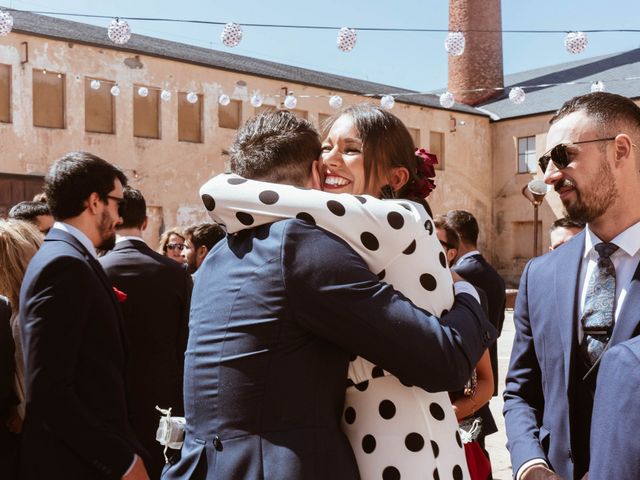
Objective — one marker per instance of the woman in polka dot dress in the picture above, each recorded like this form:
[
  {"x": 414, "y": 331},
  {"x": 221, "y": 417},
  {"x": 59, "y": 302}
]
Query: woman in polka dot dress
[{"x": 396, "y": 431}]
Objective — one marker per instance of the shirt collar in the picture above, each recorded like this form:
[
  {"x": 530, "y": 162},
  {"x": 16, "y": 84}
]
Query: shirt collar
[
  {"x": 627, "y": 241},
  {"x": 78, "y": 235},
  {"x": 129, "y": 237},
  {"x": 467, "y": 255}
]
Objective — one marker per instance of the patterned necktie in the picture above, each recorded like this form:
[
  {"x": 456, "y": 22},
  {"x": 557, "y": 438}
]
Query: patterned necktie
[{"x": 597, "y": 319}]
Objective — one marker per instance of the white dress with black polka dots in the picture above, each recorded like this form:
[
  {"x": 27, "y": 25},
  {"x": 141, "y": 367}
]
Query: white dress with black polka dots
[{"x": 396, "y": 431}]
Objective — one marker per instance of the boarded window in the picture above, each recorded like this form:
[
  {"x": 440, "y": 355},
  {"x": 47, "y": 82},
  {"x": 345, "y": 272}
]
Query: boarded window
[
  {"x": 17, "y": 188},
  {"x": 229, "y": 116},
  {"x": 99, "y": 108},
  {"x": 146, "y": 113},
  {"x": 527, "y": 162},
  {"x": 523, "y": 239},
  {"x": 5, "y": 93},
  {"x": 436, "y": 146},
  {"x": 415, "y": 135},
  {"x": 189, "y": 119},
  {"x": 48, "y": 99},
  {"x": 300, "y": 113}
]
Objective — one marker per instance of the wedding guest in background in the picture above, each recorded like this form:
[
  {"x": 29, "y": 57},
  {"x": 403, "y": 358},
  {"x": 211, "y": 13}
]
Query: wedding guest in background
[
  {"x": 37, "y": 213},
  {"x": 77, "y": 419},
  {"x": 563, "y": 230},
  {"x": 156, "y": 317},
  {"x": 198, "y": 242},
  {"x": 172, "y": 244},
  {"x": 19, "y": 242}
]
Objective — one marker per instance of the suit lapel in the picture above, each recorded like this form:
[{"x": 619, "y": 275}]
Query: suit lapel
[
  {"x": 566, "y": 288},
  {"x": 629, "y": 316}
]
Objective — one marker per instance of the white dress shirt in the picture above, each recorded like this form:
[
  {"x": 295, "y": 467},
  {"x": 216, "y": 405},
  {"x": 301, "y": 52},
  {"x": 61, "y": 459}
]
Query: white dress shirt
[{"x": 78, "y": 235}]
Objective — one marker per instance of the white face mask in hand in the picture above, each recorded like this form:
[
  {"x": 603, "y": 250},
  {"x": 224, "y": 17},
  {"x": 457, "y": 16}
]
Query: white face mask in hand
[{"x": 170, "y": 431}]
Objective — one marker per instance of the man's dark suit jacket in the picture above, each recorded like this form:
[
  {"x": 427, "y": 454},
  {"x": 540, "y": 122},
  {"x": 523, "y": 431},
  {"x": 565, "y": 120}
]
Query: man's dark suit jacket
[
  {"x": 8, "y": 441},
  {"x": 76, "y": 422},
  {"x": 541, "y": 376},
  {"x": 477, "y": 271},
  {"x": 275, "y": 313},
  {"x": 156, "y": 317},
  {"x": 615, "y": 449}
]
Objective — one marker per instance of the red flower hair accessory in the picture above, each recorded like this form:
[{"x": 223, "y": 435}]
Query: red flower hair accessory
[
  {"x": 424, "y": 184},
  {"x": 120, "y": 295}
]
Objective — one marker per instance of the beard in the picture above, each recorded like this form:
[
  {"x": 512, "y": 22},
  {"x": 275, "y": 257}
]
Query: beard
[
  {"x": 107, "y": 232},
  {"x": 594, "y": 199}
]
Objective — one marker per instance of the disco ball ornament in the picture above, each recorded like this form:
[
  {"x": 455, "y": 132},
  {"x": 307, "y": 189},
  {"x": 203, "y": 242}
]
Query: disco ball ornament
[
  {"x": 447, "y": 100},
  {"x": 387, "y": 102},
  {"x": 454, "y": 44},
  {"x": 143, "y": 91},
  {"x": 192, "y": 97},
  {"x": 224, "y": 100},
  {"x": 335, "y": 101},
  {"x": 115, "y": 90},
  {"x": 516, "y": 95},
  {"x": 290, "y": 101},
  {"x": 597, "y": 86},
  {"x": 119, "y": 31},
  {"x": 231, "y": 35},
  {"x": 6, "y": 23},
  {"x": 346, "y": 40},
  {"x": 165, "y": 95},
  {"x": 256, "y": 99},
  {"x": 95, "y": 84},
  {"x": 575, "y": 42}
]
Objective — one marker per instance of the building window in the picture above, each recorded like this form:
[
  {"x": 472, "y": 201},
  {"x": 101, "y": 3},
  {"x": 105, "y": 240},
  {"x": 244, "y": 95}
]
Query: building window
[
  {"x": 146, "y": 113},
  {"x": 5, "y": 93},
  {"x": 229, "y": 116},
  {"x": 189, "y": 119},
  {"x": 99, "y": 108},
  {"x": 303, "y": 114},
  {"x": 527, "y": 162},
  {"x": 436, "y": 146},
  {"x": 415, "y": 135},
  {"x": 48, "y": 99}
]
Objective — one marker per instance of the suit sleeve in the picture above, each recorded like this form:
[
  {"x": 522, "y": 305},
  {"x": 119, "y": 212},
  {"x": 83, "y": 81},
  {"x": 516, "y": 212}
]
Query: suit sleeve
[
  {"x": 333, "y": 294},
  {"x": 183, "y": 335},
  {"x": 615, "y": 451},
  {"x": 523, "y": 396},
  {"x": 54, "y": 319}
]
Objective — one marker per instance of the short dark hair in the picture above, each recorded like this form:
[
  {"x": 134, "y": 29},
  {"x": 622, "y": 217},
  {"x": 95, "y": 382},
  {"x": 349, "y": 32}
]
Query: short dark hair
[
  {"x": 275, "y": 146},
  {"x": 207, "y": 234},
  {"x": 566, "y": 222},
  {"x": 74, "y": 177},
  {"x": 29, "y": 211},
  {"x": 607, "y": 109},
  {"x": 465, "y": 225},
  {"x": 133, "y": 209},
  {"x": 453, "y": 239}
]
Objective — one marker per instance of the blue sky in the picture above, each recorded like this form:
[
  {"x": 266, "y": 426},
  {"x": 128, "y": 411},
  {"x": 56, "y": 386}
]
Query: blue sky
[{"x": 410, "y": 60}]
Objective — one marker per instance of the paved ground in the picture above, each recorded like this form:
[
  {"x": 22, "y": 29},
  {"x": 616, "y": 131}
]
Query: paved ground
[{"x": 496, "y": 442}]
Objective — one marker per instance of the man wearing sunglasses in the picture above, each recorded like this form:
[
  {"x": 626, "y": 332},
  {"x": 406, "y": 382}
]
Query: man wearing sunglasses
[{"x": 577, "y": 301}]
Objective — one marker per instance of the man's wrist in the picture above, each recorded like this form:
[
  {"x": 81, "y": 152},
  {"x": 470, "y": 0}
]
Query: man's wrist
[{"x": 528, "y": 464}]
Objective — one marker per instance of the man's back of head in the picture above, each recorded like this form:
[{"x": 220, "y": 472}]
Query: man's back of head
[
  {"x": 133, "y": 211},
  {"x": 465, "y": 225},
  {"x": 275, "y": 146},
  {"x": 37, "y": 213}
]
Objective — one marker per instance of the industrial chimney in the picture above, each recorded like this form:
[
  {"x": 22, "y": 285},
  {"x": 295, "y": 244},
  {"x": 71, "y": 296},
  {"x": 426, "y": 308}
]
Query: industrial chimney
[{"x": 480, "y": 66}]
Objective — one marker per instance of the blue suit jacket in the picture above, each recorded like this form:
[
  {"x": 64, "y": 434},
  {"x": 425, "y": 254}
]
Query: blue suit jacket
[
  {"x": 615, "y": 449},
  {"x": 536, "y": 408},
  {"x": 276, "y": 311},
  {"x": 76, "y": 422}
]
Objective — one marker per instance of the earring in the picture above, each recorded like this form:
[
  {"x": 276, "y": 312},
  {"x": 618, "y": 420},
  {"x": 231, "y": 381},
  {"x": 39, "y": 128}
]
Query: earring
[{"x": 387, "y": 192}]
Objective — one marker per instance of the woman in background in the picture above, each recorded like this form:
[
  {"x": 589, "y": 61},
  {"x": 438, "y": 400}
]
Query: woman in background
[{"x": 172, "y": 244}]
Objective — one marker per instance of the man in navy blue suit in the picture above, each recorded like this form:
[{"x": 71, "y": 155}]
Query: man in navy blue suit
[
  {"x": 276, "y": 312},
  {"x": 580, "y": 299},
  {"x": 76, "y": 421}
]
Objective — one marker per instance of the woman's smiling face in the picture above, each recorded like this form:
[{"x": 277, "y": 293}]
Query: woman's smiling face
[{"x": 343, "y": 160}]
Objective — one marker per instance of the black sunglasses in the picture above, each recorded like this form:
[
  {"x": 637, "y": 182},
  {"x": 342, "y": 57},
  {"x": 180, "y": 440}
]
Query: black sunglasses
[
  {"x": 175, "y": 246},
  {"x": 559, "y": 156}
]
